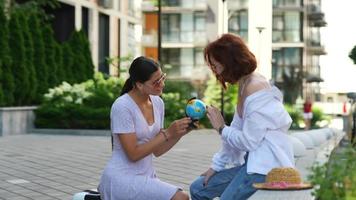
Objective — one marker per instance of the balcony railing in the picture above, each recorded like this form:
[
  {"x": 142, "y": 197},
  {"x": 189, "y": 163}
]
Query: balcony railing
[
  {"x": 184, "y": 3},
  {"x": 317, "y": 50},
  {"x": 196, "y": 37},
  {"x": 186, "y": 71},
  {"x": 315, "y": 13}
]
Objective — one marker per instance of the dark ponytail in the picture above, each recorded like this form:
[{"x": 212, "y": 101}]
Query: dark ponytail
[
  {"x": 127, "y": 86},
  {"x": 140, "y": 70}
]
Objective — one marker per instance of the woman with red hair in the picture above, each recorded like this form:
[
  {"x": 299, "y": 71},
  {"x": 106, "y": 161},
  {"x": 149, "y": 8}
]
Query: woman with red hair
[{"x": 256, "y": 140}]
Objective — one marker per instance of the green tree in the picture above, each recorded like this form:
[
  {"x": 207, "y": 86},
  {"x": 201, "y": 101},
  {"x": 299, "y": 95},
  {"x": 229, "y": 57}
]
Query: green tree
[
  {"x": 39, "y": 56},
  {"x": 212, "y": 96},
  {"x": 352, "y": 54},
  {"x": 7, "y": 85},
  {"x": 18, "y": 55},
  {"x": 28, "y": 56},
  {"x": 89, "y": 67},
  {"x": 79, "y": 61},
  {"x": 292, "y": 83},
  {"x": 50, "y": 52},
  {"x": 59, "y": 63},
  {"x": 67, "y": 61}
]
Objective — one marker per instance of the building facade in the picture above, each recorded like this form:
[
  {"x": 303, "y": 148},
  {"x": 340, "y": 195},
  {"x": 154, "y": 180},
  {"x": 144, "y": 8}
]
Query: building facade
[
  {"x": 113, "y": 27},
  {"x": 283, "y": 34}
]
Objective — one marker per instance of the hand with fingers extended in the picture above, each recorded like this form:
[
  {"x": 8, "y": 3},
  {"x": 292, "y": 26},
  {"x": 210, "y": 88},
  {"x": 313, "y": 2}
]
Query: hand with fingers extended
[
  {"x": 207, "y": 175},
  {"x": 215, "y": 117},
  {"x": 179, "y": 127}
]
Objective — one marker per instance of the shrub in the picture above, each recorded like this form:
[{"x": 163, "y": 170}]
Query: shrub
[
  {"x": 174, "y": 107},
  {"x": 83, "y": 106},
  {"x": 295, "y": 114},
  {"x": 212, "y": 96},
  {"x": 335, "y": 180},
  {"x": 318, "y": 117}
]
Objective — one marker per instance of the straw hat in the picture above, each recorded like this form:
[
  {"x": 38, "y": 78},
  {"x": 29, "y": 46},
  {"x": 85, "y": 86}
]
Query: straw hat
[{"x": 283, "y": 179}]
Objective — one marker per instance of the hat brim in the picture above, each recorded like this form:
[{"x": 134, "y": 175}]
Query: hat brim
[{"x": 266, "y": 186}]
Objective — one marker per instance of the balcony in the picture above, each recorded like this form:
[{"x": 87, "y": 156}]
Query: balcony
[
  {"x": 183, "y": 5},
  {"x": 195, "y": 38},
  {"x": 317, "y": 23},
  {"x": 149, "y": 6},
  {"x": 315, "y": 13},
  {"x": 108, "y": 4},
  {"x": 313, "y": 78},
  {"x": 315, "y": 48}
]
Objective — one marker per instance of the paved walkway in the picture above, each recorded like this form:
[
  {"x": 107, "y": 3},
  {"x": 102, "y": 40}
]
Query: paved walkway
[{"x": 46, "y": 167}]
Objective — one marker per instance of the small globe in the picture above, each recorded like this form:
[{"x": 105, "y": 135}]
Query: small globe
[{"x": 195, "y": 109}]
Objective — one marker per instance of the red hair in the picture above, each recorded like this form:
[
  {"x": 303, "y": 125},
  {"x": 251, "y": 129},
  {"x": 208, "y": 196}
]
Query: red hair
[{"x": 233, "y": 54}]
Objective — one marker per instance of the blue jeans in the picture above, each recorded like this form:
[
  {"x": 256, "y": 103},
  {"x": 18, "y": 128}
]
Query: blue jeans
[{"x": 233, "y": 183}]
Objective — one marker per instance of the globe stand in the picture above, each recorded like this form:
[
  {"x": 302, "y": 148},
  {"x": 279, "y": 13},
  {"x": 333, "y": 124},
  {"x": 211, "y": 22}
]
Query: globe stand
[{"x": 192, "y": 125}]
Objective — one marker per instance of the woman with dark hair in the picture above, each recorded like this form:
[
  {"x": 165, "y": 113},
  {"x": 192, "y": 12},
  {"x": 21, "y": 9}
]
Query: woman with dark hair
[
  {"x": 137, "y": 127},
  {"x": 256, "y": 140}
]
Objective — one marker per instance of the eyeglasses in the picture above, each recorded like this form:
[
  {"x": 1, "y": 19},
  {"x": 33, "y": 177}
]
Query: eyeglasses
[{"x": 158, "y": 82}]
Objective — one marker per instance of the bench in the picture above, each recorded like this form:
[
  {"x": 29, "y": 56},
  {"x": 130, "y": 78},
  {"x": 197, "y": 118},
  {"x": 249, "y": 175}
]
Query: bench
[{"x": 310, "y": 147}]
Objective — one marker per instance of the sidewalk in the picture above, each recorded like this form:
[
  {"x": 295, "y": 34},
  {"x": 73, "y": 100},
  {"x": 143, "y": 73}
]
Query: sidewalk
[{"x": 46, "y": 167}]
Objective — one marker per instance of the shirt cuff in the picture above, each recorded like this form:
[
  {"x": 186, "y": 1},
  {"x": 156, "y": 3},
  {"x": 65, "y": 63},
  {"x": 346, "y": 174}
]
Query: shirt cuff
[{"x": 225, "y": 132}]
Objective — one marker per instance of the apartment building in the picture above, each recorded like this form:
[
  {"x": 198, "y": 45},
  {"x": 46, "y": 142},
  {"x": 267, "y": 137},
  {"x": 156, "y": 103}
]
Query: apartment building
[
  {"x": 113, "y": 26},
  {"x": 296, "y": 47},
  {"x": 283, "y": 34}
]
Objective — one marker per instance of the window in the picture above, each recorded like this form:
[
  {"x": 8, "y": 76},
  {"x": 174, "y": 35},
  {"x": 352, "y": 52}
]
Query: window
[
  {"x": 170, "y": 27},
  {"x": 286, "y": 61},
  {"x": 287, "y": 27},
  {"x": 131, "y": 36},
  {"x": 171, "y": 61},
  {"x": 238, "y": 23},
  {"x": 287, "y": 3},
  {"x": 170, "y": 3},
  {"x": 85, "y": 20},
  {"x": 199, "y": 57},
  {"x": 103, "y": 43},
  {"x": 63, "y": 21}
]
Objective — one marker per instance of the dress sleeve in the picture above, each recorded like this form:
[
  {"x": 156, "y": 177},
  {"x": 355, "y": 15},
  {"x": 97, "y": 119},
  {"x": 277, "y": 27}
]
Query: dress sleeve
[{"x": 122, "y": 119}]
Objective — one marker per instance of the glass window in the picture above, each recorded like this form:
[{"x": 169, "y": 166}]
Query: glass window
[
  {"x": 199, "y": 21},
  {"x": 285, "y": 60},
  {"x": 199, "y": 27},
  {"x": 287, "y": 27},
  {"x": 170, "y": 3},
  {"x": 187, "y": 27},
  {"x": 103, "y": 43},
  {"x": 199, "y": 57},
  {"x": 131, "y": 39},
  {"x": 170, "y": 27},
  {"x": 238, "y": 23},
  {"x": 287, "y": 3},
  {"x": 85, "y": 20},
  {"x": 171, "y": 61}
]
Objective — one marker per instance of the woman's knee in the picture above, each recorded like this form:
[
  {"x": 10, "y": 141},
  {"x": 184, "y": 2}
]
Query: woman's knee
[
  {"x": 180, "y": 195},
  {"x": 196, "y": 186}
]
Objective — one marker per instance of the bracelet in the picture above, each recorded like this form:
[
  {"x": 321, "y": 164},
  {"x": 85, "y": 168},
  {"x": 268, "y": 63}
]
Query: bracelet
[
  {"x": 221, "y": 128},
  {"x": 164, "y": 134}
]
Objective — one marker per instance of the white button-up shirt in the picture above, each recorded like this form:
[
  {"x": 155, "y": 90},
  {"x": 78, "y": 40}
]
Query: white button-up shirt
[{"x": 262, "y": 131}]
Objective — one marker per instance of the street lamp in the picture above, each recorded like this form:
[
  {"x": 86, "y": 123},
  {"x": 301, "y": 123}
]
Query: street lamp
[
  {"x": 159, "y": 31},
  {"x": 260, "y": 29},
  {"x": 222, "y": 88}
]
